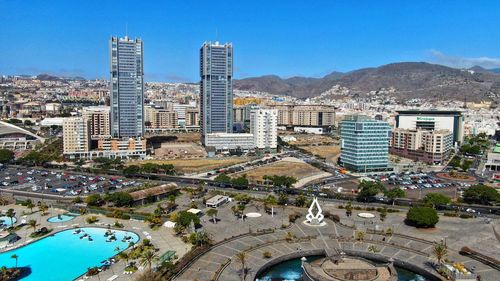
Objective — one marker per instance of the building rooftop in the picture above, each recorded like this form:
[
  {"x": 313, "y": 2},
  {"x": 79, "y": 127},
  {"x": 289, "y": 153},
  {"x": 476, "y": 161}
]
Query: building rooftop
[{"x": 153, "y": 191}]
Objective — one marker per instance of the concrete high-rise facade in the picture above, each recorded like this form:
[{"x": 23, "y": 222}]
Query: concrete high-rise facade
[
  {"x": 264, "y": 127},
  {"x": 364, "y": 144},
  {"x": 127, "y": 87},
  {"x": 216, "y": 88}
]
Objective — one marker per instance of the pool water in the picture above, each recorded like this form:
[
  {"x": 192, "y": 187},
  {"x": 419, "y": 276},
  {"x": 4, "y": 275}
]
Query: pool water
[
  {"x": 5, "y": 221},
  {"x": 291, "y": 270},
  {"x": 64, "y": 256},
  {"x": 61, "y": 218}
]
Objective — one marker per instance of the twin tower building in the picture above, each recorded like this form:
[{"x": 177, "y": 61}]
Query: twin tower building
[{"x": 126, "y": 113}]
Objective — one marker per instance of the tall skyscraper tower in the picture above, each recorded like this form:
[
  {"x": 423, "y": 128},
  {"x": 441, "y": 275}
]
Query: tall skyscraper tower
[
  {"x": 127, "y": 87},
  {"x": 216, "y": 88}
]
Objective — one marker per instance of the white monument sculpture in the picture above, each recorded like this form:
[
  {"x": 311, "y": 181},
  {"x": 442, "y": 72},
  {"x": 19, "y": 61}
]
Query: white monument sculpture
[{"x": 315, "y": 219}]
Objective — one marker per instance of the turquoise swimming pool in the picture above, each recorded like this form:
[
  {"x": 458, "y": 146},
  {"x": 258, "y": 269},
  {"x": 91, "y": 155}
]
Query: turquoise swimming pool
[
  {"x": 64, "y": 256},
  {"x": 5, "y": 221},
  {"x": 61, "y": 218}
]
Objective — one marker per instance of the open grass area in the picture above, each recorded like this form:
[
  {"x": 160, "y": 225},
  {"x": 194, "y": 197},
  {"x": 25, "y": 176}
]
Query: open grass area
[
  {"x": 296, "y": 169},
  {"x": 186, "y": 166},
  {"x": 329, "y": 152}
]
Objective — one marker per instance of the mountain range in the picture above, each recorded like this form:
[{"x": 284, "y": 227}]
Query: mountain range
[{"x": 406, "y": 79}]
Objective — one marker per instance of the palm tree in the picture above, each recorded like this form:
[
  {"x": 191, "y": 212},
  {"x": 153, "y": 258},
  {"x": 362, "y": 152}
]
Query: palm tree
[
  {"x": 43, "y": 208},
  {"x": 360, "y": 235},
  {"x": 440, "y": 251},
  {"x": 373, "y": 249},
  {"x": 213, "y": 213},
  {"x": 30, "y": 205},
  {"x": 11, "y": 214},
  {"x": 348, "y": 209},
  {"x": 242, "y": 256},
  {"x": 148, "y": 258},
  {"x": 14, "y": 256},
  {"x": 271, "y": 200},
  {"x": 33, "y": 224}
]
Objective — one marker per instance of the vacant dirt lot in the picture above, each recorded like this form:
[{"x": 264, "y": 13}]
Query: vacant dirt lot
[
  {"x": 286, "y": 167},
  {"x": 169, "y": 150},
  {"x": 304, "y": 139},
  {"x": 187, "y": 166},
  {"x": 329, "y": 152}
]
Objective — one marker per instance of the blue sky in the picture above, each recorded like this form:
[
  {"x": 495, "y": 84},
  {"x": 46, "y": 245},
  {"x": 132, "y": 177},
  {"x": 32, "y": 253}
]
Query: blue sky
[{"x": 286, "y": 38}]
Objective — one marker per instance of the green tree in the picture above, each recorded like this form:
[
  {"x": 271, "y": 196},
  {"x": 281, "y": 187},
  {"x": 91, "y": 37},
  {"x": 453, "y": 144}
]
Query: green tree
[
  {"x": 466, "y": 165},
  {"x": 11, "y": 214},
  {"x": 222, "y": 178},
  {"x": 423, "y": 217},
  {"x": 213, "y": 213},
  {"x": 300, "y": 201},
  {"x": 348, "y": 209},
  {"x": 242, "y": 257},
  {"x": 395, "y": 193},
  {"x": 185, "y": 218},
  {"x": 436, "y": 199},
  {"x": 271, "y": 200},
  {"x": 33, "y": 224},
  {"x": 368, "y": 189},
  {"x": 94, "y": 200},
  {"x": 383, "y": 213},
  {"x": 440, "y": 251},
  {"x": 30, "y": 205},
  {"x": 240, "y": 181},
  {"x": 16, "y": 257},
  {"x": 6, "y": 156},
  {"x": 148, "y": 257},
  {"x": 120, "y": 199},
  {"x": 131, "y": 170},
  {"x": 481, "y": 194},
  {"x": 282, "y": 199}
]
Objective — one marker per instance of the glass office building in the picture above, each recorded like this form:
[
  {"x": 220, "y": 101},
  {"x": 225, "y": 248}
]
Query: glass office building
[
  {"x": 127, "y": 87},
  {"x": 364, "y": 144},
  {"x": 216, "y": 88}
]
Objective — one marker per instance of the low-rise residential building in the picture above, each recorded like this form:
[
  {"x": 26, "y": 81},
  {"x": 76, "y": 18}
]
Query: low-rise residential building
[
  {"x": 217, "y": 201},
  {"x": 432, "y": 147},
  {"x": 229, "y": 141},
  {"x": 120, "y": 147},
  {"x": 305, "y": 115},
  {"x": 158, "y": 118}
]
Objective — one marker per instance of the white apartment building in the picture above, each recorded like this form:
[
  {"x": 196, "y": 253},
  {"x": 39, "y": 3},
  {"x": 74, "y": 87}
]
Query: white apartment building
[
  {"x": 229, "y": 141},
  {"x": 99, "y": 117},
  {"x": 264, "y": 128},
  {"x": 76, "y": 137}
]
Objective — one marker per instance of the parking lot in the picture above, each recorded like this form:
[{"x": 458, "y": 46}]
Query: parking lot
[
  {"x": 414, "y": 181},
  {"x": 60, "y": 183}
]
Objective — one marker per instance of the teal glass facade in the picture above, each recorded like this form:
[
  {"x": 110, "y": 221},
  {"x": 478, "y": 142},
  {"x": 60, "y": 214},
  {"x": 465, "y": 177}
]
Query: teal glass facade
[{"x": 364, "y": 144}]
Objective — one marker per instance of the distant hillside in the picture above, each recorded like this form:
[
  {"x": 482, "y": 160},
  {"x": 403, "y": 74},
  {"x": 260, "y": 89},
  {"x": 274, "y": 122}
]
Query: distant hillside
[{"x": 409, "y": 79}]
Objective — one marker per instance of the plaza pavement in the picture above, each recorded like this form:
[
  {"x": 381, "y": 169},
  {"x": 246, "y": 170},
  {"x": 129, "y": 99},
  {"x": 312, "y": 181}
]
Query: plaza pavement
[{"x": 220, "y": 262}]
